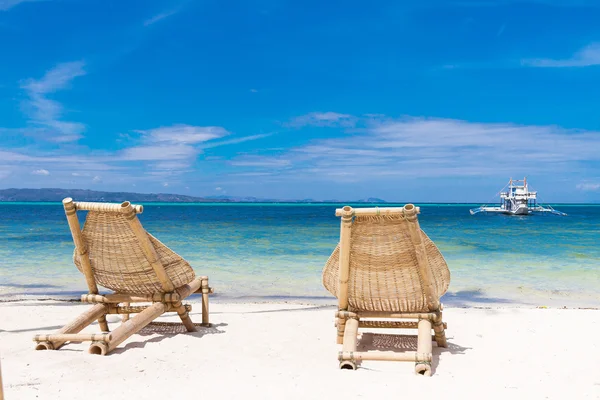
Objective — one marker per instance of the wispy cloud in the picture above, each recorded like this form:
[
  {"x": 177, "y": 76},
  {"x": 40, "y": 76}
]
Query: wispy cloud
[
  {"x": 43, "y": 172},
  {"x": 8, "y": 4},
  {"x": 323, "y": 119},
  {"x": 431, "y": 147},
  {"x": 159, "y": 17},
  {"x": 173, "y": 146},
  {"x": 257, "y": 161},
  {"x": 585, "y": 57},
  {"x": 169, "y": 151},
  {"x": 45, "y": 114},
  {"x": 237, "y": 140},
  {"x": 589, "y": 186},
  {"x": 183, "y": 134},
  {"x": 588, "y": 56},
  {"x": 158, "y": 154}
]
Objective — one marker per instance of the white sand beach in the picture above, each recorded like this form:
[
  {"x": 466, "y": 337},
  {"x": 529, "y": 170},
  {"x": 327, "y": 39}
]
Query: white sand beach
[{"x": 288, "y": 351}]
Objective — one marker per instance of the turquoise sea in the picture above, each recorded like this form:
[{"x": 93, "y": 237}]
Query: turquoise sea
[{"x": 277, "y": 251}]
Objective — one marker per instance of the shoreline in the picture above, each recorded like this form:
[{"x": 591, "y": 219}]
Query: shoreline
[
  {"x": 489, "y": 297},
  {"x": 321, "y": 303},
  {"x": 497, "y": 296}
]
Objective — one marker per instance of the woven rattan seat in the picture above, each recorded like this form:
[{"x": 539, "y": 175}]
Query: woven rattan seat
[
  {"x": 114, "y": 251},
  {"x": 384, "y": 274},
  {"x": 118, "y": 260},
  {"x": 385, "y": 267}
]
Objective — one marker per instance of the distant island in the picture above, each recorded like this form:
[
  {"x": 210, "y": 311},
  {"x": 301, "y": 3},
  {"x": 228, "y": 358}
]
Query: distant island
[{"x": 52, "y": 195}]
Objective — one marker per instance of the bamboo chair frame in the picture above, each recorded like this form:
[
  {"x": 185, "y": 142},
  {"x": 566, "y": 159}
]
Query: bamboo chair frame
[
  {"x": 349, "y": 320},
  {"x": 168, "y": 300}
]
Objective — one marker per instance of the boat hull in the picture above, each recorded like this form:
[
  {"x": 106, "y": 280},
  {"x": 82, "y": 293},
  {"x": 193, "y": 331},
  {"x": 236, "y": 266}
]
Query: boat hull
[
  {"x": 500, "y": 210},
  {"x": 521, "y": 210}
]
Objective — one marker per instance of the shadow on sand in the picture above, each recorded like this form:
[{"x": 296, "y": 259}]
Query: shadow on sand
[
  {"x": 470, "y": 298},
  {"x": 398, "y": 343},
  {"x": 168, "y": 330}
]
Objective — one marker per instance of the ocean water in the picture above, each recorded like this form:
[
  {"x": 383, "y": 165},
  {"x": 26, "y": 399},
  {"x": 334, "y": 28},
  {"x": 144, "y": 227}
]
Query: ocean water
[{"x": 269, "y": 251}]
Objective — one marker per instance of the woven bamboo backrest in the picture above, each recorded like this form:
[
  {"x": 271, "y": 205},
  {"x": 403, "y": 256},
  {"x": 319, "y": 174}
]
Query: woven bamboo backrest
[
  {"x": 124, "y": 257},
  {"x": 385, "y": 273}
]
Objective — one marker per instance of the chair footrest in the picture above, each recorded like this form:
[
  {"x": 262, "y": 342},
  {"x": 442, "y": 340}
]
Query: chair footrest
[
  {"x": 138, "y": 309},
  {"x": 390, "y": 324},
  {"x": 73, "y": 337}
]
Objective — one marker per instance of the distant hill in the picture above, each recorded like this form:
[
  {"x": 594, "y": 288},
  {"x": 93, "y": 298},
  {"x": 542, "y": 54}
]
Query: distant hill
[
  {"x": 93, "y": 195},
  {"x": 372, "y": 200},
  {"x": 54, "y": 194}
]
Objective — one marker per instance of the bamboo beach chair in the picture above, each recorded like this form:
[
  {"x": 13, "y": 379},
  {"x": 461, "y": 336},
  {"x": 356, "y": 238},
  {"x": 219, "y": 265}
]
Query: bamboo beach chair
[
  {"x": 114, "y": 251},
  {"x": 386, "y": 273}
]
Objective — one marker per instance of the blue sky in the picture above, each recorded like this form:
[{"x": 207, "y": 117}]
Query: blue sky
[{"x": 407, "y": 101}]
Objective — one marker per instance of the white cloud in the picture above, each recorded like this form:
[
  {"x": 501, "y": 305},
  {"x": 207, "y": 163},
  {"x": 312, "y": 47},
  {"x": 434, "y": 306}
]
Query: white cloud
[
  {"x": 589, "y": 186},
  {"x": 166, "y": 184},
  {"x": 57, "y": 78},
  {"x": 431, "y": 147},
  {"x": 154, "y": 154},
  {"x": 159, "y": 17},
  {"x": 171, "y": 150},
  {"x": 323, "y": 119},
  {"x": 45, "y": 114},
  {"x": 588, "y": 56},
  {"x": 253, "y": 91},
  {"x": 158, "y": 153},
  {"x": 184, "y": 134},
  {"x": 171, "y": 147},
  {"x": 43, "y": 172},
  {"x": 218, "y": 189}
]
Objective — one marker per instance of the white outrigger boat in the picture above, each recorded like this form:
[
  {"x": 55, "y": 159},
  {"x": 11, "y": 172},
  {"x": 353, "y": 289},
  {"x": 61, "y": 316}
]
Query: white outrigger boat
[{"x": 517, "y": 200}]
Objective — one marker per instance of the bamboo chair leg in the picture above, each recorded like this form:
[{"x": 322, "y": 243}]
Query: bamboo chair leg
[
  {"x": 350, "y": 340},
  {"x": 205, "y": 292},
  {"x": 75, "y": 326},
  {"x": 103, "y": 324},
  {"x": 440, "y": 332},
  {"x": 127, "y": 329},
  {"x": 424, "y": 347},
  {"x": 185, "y": 317},
  {"x": 341, "y": 326},
  {"x": 125, "y": 317}
]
